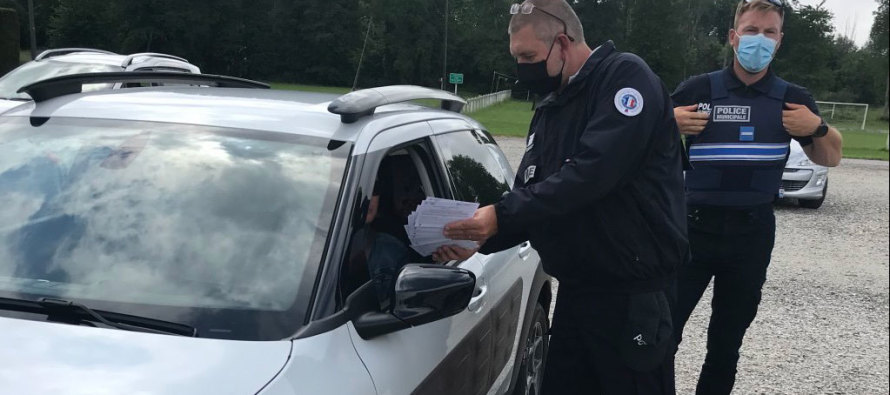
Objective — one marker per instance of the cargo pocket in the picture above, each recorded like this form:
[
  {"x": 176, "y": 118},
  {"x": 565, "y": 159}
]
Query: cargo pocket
[{"x": 647, "y": 335}]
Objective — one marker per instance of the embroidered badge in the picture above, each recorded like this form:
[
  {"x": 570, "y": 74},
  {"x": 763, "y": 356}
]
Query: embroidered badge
[
  {"x": 732, "y": 113},
  {"x": 529, "y": 173},
  {"x": 629, "y": 102}
]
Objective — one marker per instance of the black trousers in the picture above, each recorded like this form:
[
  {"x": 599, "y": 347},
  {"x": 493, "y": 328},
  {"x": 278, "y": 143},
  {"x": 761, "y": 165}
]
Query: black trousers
[
  {"x": 610, "y": 344},
  {"x": 732, "y": 246}
]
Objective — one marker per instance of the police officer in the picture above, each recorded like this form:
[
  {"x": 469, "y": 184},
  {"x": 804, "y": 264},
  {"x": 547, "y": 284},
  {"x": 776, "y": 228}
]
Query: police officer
[
  {"x": 599, "y": 193},
  {"x": 738, "y": 124}
]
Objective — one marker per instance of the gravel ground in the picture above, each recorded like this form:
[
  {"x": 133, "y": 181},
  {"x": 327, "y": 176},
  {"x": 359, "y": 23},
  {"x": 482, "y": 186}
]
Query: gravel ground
[{"x": 822, "y": 327}]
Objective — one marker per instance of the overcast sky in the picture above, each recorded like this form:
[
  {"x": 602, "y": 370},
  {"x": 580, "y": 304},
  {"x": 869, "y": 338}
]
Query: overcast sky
[{"x": 852, "y": 18}]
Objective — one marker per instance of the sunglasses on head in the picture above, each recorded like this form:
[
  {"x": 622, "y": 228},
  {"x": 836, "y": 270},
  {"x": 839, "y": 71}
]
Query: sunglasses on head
[
  {"x": 527, "y": 8},
  {"x": 777, "y": 3}
]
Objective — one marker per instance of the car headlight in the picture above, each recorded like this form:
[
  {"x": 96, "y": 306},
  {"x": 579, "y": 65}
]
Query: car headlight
[
  {"x": 820, "y": 179},
  {"x": 805, "y": 162}
]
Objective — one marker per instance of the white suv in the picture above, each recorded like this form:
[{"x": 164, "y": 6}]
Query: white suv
[
  {"x": 66, "y": 61},
  {"x": 199, "y": 240}
]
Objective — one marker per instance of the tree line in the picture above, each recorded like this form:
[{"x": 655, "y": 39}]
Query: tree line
[{"x": 321, "y": 41}]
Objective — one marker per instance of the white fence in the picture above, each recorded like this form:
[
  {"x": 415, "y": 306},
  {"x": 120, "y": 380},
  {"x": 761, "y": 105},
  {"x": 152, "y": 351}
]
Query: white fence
[{"x": 479, "y": 102}]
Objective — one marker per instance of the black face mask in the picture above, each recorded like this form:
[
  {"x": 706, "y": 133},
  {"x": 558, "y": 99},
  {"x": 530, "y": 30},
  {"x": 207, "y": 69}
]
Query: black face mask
[{"x": 534, "y": 75}]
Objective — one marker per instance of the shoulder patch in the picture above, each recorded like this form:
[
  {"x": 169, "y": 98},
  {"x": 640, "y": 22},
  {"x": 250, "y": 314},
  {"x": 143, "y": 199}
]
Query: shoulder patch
[{"x": 629, "y": 102}]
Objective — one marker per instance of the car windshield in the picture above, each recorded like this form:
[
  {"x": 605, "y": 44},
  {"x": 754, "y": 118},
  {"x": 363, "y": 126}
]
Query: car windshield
[
  {"x": 220, "y": 229},
  {"x": 32, "y": 72}
]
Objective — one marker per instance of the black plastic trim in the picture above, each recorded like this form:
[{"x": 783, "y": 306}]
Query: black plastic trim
[{"x": 72, "y": 84}]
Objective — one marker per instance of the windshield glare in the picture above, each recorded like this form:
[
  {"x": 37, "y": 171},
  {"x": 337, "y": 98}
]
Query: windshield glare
[
  {"x": 32, "y": 72},
  {"x": 175, "y": 221}
]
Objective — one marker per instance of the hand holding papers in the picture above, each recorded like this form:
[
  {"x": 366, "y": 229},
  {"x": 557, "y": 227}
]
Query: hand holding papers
[{"x": 426, "y": 224}]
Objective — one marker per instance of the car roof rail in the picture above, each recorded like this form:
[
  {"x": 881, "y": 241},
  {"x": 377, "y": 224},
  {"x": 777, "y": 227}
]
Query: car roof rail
[
  {"x": 71, "y": 84},
  {"x": 65, "y": 51},
  {"x": 130, "y": 58},
  {"x": 354, "y": 105}
]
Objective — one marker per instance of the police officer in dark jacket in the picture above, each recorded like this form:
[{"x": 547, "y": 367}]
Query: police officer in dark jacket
[
  {"x": 738, "y": 124},
  {"x": 599, "y": 193}
]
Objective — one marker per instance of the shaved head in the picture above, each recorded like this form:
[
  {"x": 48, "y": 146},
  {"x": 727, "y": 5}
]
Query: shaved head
[{"x": 545, "y": 26}]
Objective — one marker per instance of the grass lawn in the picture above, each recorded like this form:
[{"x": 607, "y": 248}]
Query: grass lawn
[
  {"x": 869, "y": 143},
  {"x": 510, "y": 118},
  {"x": 865, "y": 145}
]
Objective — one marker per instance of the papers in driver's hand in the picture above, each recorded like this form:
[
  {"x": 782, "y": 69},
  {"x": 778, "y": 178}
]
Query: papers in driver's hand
[{"x": 425, "y": 225}]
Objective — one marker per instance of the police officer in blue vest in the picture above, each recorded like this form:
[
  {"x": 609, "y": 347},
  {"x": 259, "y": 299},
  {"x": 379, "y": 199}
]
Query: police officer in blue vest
[{"x": 738, "y": 124}]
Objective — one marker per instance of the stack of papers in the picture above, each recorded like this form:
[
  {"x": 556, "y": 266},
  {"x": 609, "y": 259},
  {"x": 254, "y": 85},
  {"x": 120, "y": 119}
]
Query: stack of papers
[{"x": 426, "y": 224}]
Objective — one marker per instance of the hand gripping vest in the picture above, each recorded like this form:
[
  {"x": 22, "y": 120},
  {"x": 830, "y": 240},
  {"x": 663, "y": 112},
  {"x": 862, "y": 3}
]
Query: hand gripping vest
[{"x": 739, "y": 158}]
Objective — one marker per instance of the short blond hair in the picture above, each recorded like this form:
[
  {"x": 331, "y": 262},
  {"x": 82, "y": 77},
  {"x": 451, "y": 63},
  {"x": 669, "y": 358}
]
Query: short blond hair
[
  {"x": 755, "y": 5},
  {"x": 546, "y": 26}
]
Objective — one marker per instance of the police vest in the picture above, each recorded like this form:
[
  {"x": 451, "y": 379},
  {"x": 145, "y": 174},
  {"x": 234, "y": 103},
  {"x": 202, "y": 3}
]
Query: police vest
[{"x": 739, "y": 158}]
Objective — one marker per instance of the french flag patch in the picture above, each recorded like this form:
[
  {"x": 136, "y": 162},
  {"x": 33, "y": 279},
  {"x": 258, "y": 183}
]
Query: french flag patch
[{"x": 746, "y": 133}]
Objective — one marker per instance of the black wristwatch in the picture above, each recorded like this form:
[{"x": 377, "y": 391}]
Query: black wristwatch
[{"x": 822, "y": 130}]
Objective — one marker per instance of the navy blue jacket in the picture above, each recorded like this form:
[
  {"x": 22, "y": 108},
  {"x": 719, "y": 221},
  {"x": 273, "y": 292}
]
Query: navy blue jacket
[{"x": 599, "y": 191}]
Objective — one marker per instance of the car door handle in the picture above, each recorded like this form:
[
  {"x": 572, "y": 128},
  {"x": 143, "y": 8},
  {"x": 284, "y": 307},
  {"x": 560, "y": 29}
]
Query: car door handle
[
  {"x": 525, "y": 249},
  {"x": 478, "y": 299}
]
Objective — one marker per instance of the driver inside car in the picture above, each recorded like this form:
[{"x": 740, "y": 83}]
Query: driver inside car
[{"x": 380, "y": 248}]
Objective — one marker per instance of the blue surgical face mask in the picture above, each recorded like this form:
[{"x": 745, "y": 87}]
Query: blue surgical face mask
[{"x": 755, "y": 52}]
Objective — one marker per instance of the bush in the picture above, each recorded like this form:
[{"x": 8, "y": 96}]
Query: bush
[{"x": 9, "y": 40}]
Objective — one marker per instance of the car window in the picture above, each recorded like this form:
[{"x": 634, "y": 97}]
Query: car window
[
  {"x": 476, "y": 175},
  {"x": 221, "y": 228},
  {"x": 380, "y": 246},
  {"x": 32, "y": 72}
]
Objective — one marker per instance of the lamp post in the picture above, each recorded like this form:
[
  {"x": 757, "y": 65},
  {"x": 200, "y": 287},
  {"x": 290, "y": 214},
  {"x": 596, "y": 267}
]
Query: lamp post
[
  {"x": 31, "y": 29},
  {"x": 445, "y": 49}
]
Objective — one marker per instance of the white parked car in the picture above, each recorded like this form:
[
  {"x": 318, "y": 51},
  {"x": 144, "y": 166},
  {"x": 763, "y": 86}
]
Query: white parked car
[
  {"x": 804, "y": 180},
  {"x": 65, "y": 61},
  {"x": 198, "y": 240}
]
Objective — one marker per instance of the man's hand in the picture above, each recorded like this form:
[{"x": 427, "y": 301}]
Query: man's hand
[
  {"x": 483, "y": 225},
  {"x": 452, "y": 253},
  {"x": 799, "y": 121},
  {"x": 690, "y": 121}
]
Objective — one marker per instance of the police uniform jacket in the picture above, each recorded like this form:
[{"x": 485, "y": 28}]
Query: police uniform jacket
[{"x": 599, "y": 191}]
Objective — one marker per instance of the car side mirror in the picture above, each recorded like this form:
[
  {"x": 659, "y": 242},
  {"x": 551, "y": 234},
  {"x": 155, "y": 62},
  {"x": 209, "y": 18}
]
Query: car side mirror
[{"x": 423, "y": 293}]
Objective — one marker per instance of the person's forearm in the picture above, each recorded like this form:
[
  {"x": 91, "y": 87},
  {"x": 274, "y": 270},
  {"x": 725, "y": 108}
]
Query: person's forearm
[{"x": 827, "y": 150}]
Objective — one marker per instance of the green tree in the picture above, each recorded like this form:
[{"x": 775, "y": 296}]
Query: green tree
[
  {"x": 878, "y": 44},
  {"x": 81, "y": 23},
  {"x": 807, "y": 52}
]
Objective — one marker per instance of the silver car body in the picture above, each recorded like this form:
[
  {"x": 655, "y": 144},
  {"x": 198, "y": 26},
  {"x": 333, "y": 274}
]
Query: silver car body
[
  {"x": 802, "y": 178},
  {"x": 50, "y": 358},
  {"x": 48, "y": 65}
]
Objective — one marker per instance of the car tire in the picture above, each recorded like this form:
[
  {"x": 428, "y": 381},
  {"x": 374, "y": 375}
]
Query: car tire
[
  {"x": 534, "y": 358},
  {"x": 814, "y": 204}
]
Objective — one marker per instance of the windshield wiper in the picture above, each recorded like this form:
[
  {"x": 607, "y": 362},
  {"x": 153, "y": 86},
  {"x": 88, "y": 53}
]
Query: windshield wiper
[{"x": 73, "y": 312}]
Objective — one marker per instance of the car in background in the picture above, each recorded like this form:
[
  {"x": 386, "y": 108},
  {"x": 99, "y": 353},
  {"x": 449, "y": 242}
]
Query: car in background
[
  {"x": 65, "y": 61},
  {"x": 804, "y": 180},
  {"x": 208, "y": 238}
]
